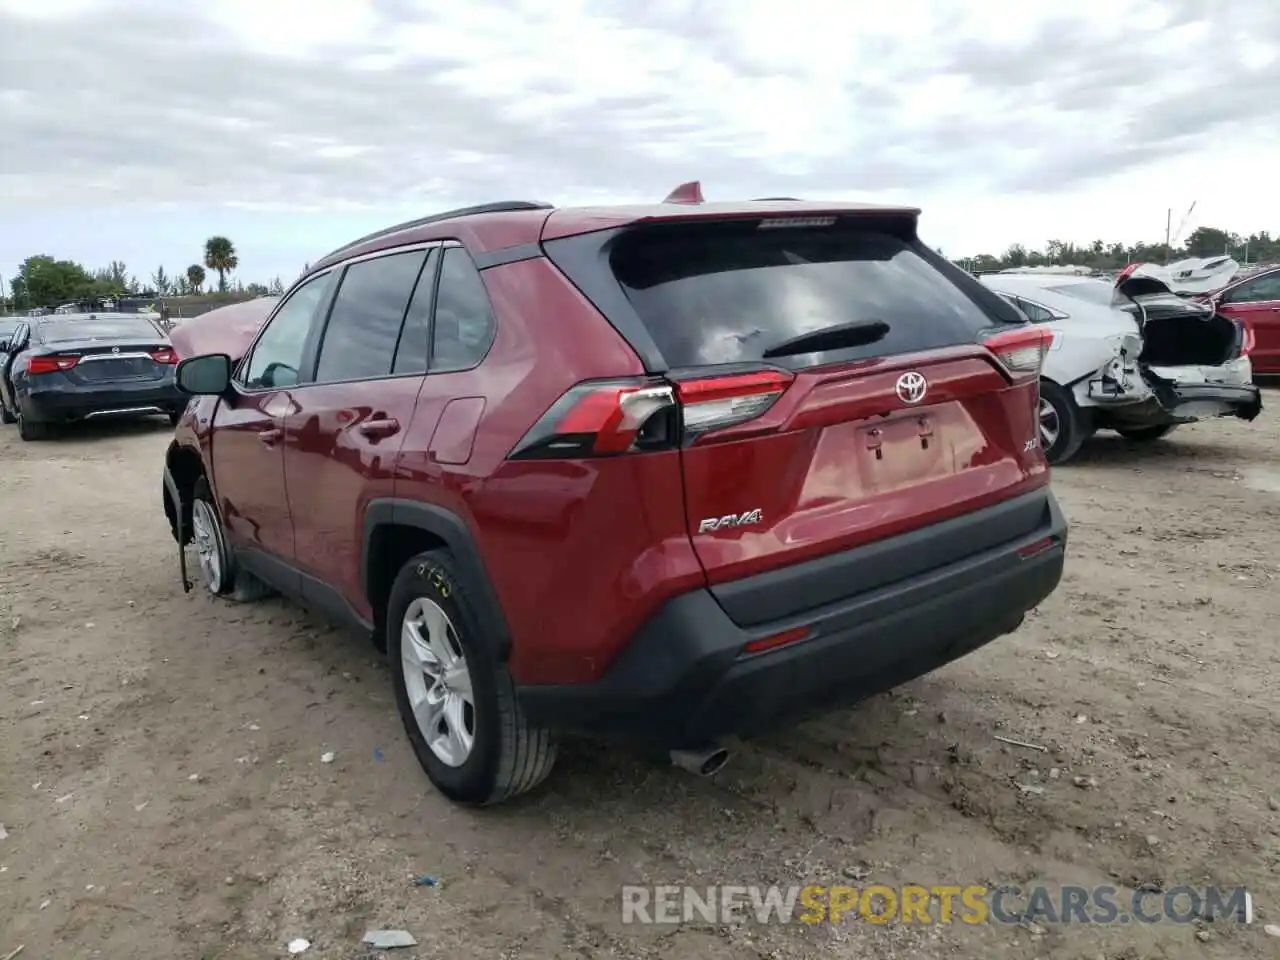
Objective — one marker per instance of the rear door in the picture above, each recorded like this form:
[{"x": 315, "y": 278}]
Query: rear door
[
  {"x": 892, "y": 413},
  {"x": 344, "y": 433},
  {"x": 1256, "y": 302}
]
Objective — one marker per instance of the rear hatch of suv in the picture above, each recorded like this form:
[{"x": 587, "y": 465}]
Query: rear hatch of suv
[{"x": 836, "y": 382}]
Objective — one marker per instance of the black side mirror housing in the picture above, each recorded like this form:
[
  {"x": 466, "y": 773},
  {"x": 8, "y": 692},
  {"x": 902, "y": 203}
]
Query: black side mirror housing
[
  {"x": 4, "y": 345},
  {"x": 208, "y": 375}
]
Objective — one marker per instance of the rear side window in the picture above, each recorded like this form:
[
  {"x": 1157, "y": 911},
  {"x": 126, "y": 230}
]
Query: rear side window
[
  {"x": 463, "y": 325},
  {"x": 364, "y": 325},
  {"x": 726, "y": 293}
]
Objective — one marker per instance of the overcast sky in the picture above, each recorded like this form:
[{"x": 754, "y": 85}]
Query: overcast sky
[{"x": 134, "y": 129}]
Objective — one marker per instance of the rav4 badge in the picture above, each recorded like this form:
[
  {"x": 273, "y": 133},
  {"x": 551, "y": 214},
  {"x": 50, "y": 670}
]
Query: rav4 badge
[{"x": 731, "y": 520}]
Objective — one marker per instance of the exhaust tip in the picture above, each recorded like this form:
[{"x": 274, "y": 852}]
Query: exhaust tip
[{"x": 704, "y": 763}]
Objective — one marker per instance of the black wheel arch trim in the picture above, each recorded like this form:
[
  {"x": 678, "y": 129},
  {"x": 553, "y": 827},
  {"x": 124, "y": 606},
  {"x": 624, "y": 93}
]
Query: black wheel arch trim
[{"x": 458, "y": 539}]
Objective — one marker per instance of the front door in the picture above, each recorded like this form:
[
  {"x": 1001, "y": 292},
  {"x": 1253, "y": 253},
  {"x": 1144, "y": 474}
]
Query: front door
[{"x": 247, "y": 452}]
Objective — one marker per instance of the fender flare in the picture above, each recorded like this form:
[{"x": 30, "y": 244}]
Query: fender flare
[{"x": 458, "y": 540}]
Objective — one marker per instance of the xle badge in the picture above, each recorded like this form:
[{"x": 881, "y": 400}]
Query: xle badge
[{"x": 731, "y": 520}]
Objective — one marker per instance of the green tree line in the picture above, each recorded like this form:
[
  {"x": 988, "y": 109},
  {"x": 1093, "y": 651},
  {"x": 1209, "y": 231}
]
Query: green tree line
[
  {"x": 1100, "y": 255},
  {"x": 46, "y": 281}
]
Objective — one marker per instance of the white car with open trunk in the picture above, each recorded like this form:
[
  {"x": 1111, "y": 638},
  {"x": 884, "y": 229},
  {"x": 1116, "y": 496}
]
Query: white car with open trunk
[{"x": 1133, "y": 357}]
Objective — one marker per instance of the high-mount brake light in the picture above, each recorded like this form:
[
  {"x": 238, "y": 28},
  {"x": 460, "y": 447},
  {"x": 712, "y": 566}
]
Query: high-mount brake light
[
  {"x": 1021, "y": 351},
  {"x": 50, "y": 364},
  {"x": 612, "y": 417},
  {"x": 782, "y": 223}
]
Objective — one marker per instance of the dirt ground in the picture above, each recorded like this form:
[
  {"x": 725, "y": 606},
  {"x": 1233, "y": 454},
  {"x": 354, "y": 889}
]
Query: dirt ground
[{"x": 163, "y": 794}]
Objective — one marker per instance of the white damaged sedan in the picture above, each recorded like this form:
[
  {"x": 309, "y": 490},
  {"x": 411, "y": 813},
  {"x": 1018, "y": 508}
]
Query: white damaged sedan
[{"x": 1132, "y": 357}]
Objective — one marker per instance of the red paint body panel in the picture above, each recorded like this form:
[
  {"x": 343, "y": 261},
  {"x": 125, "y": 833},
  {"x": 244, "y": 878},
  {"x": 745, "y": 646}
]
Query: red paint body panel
[
  {"x": 333, "y": 470},
  {"x": 840, "y": 460},
  {"x": 228, "y": 329}
]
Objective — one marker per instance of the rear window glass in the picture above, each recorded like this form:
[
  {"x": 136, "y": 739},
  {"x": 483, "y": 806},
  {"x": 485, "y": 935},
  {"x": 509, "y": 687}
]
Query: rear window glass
[
  {"x": 1094, "y": 292},
  {"x": 726, "y": 293},
  {"x": 97, "y": 329}
]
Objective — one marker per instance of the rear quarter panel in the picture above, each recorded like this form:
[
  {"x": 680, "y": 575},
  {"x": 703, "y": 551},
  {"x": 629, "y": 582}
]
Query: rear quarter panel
[{"x": 579, "y": 552}]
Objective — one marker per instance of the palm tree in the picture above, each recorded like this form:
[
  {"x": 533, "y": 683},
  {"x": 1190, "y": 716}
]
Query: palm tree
[
  {"x": 220, "y": 256},
  {"x": 195, "y": 277}
]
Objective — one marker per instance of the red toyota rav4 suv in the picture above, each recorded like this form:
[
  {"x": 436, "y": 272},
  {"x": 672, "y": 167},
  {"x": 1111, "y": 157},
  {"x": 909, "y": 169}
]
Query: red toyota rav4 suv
[{"x": 675, "y": 472}]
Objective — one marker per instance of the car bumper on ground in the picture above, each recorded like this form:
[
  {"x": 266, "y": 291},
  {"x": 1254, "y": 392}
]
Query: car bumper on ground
[
  {"x": 67, "y": 404},
  {"x": 684, "y": 680}
]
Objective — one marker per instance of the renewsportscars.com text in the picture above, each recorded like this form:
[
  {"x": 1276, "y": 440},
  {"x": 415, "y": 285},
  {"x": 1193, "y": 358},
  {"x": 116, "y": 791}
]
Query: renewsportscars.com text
[{"x": 943, "y": 904}]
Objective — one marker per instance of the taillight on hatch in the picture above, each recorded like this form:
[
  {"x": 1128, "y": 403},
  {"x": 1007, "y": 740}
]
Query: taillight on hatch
[
  {"x": 611, "y": 417},
  {"x": 1022, "y": 351},
  {"x": 165, "y": 355},
  {"x": 55, "y": 364},
  {"x": 714, "y": 402},
  {"x": 1247, "y": 341}
]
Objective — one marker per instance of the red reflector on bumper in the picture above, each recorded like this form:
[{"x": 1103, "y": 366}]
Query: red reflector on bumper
[
  {"x": 1040, "y": 546},
  {"x": 777, "y": 640}
]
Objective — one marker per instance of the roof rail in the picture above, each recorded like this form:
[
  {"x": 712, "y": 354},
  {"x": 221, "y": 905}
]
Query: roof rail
[
  {"x": 500, "y": 206},
  {"x": 768, "y": 199}
]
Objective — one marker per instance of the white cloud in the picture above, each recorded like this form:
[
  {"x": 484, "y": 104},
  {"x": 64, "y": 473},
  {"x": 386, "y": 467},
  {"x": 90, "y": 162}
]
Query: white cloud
[{"x": 1005, "y": 121}]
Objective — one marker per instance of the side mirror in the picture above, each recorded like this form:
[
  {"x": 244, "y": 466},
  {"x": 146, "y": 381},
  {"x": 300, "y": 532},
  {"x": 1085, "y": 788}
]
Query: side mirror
[
  {"x": 204, "y": 376},
  {"x": 4, "y": 344}
]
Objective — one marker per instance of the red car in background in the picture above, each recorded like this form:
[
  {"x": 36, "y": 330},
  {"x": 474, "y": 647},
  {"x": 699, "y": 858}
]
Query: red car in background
[{"x": 1255, "y": 301}]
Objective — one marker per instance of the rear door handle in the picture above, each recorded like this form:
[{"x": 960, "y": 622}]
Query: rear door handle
[
  {"x": 270, "y": 435},
  {"x": 375, "y": 429}
]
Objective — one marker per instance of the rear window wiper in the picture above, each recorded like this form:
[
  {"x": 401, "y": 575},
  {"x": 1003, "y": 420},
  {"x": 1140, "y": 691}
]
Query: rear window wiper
[{"x": 857, "y": 334}]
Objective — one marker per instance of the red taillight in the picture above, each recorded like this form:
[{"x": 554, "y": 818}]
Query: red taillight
[
  {"x": 55, "y": 364},
  {"x": 1021, "y": 351},
  {"x": 1248, "y": 341},
  {"x": 166, "y": 355},
  {"x": 605, "y": 418}
]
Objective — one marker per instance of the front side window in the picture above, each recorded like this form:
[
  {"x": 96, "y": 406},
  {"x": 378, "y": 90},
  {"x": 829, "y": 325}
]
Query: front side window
[
  {"x": 364, "y": 324},
  {"x": 277, "y": 356}
]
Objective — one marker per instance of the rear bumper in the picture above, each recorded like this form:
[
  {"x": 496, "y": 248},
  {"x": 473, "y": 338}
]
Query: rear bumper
[
  {"x": 683, "y": 680},
  {"x": 66, "y": 403}
]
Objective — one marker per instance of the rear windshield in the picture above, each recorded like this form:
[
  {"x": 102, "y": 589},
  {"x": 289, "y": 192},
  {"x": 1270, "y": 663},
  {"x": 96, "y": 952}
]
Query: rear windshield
[
  {"x": 97, "y": 329},
  {"x": 726, "y": 293},
  {"x": 1095, "y": 291}
]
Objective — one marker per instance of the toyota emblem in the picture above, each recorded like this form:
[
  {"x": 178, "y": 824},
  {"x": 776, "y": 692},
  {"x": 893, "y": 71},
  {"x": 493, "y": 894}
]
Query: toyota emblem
[{"x": 912, "y": 387}]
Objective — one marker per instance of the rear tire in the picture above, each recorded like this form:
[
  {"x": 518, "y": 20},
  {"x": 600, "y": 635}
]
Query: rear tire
[
  {"x": 1146, "y": 434},
  {"x": 217, "y": 563},
  {"x": 1064, "y": 427},
  {"x": 455, "y": 696},
  {"x": 29, "y": 430},
  {"x": 5, "y": 416},
  {"x": 174, "y": 418}
]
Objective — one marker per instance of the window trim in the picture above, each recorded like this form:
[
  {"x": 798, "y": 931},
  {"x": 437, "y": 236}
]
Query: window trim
[
  {"x": 1054, "y": 315},
  {"x": 435, "y": 297},
  {"x": 311, "y": 354},
  {"x": 237, "y": 381}
]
